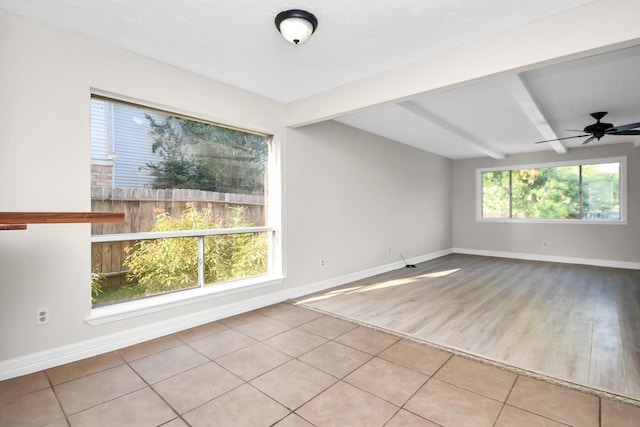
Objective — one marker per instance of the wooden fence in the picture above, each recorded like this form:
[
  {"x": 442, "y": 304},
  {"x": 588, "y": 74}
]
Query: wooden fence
[{"x": 141, "y": 205}]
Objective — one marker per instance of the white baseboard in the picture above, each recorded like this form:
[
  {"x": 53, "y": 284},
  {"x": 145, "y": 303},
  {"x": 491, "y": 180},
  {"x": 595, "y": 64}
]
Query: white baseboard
[
  {"x": 46, "y": 359},
  {"x": 550, "y": 258},
  {"x": 323, "y": 285}
]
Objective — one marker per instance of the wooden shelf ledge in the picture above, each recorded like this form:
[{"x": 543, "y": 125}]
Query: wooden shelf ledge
[
  {"x": 13, "y": 227},
  {"x": 19, "y": 220}
]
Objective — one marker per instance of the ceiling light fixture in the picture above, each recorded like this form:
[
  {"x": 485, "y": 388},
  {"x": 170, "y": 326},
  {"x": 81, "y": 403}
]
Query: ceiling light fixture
[{"x": 296, "y": 26}]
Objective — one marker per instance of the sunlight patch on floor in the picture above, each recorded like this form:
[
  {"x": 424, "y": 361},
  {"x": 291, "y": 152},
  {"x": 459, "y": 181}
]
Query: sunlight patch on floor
[
  {"x": 331, "y": 294},
  {"x": 378, "y": 286},
  {"x": 400, "y": 282}
]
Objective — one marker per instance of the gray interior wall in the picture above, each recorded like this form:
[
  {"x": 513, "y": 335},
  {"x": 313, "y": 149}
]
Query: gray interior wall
[
  {"x": 357, "y": 201},
  {"x": 566, "y": 240}
]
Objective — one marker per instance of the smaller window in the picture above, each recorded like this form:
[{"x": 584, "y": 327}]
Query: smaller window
[{"x": 583, "y": 191}]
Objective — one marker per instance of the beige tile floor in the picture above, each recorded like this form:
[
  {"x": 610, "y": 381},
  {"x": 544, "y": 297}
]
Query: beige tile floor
[{"x": 289, "y": 366}]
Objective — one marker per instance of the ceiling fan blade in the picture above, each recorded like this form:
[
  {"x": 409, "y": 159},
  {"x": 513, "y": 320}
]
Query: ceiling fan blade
[
  {"x": 627, "y": 132},
  {"x": 560, "y": 139},
  {"x": 588, "y": 140},
  {"x": 620, "y": 128}
]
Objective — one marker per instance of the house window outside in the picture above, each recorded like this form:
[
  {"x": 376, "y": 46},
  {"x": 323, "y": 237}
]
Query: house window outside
[
  {"x": 579, "y": 191},
  {"x": 194, "y": 196}
]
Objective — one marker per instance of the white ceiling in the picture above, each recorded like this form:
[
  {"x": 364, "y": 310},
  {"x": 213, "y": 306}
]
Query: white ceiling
[
  {"x": 235, "y": 42},
  {"x": 494, "y": 118}
]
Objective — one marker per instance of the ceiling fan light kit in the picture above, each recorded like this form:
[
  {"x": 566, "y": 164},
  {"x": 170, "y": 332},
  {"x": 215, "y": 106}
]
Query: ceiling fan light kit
[
  {"x": 296, "y": 25},
  {"x": 600, "y": 129}
]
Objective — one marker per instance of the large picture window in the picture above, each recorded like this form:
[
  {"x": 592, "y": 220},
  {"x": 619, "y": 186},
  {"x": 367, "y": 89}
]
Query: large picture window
[
  {"x": 194, "y": 196},
  {"x": 584, "y": 191}
]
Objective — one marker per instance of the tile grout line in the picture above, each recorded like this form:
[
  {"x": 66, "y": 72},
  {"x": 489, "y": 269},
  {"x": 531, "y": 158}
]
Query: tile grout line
[
  {"x": 68, "y": 415},
  {"x": 338, "y": 380},
  {"x": 156, "y": 392},
  {"x": 506, "y": 399},
  {"x": 53, "y": 390},
  {"x": 248, "y": 382}
]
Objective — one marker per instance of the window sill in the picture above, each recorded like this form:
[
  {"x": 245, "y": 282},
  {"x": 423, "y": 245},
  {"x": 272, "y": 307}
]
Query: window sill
[
  {"x": 551, "y": 221},
  {"x": 143, "y": 306}
]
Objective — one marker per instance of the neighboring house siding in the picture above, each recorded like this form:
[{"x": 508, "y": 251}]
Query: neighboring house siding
[
  {"x": 99, "y": 134},
  {"x": 133, "y": 143},
  {"x": 120, "y": 137}
]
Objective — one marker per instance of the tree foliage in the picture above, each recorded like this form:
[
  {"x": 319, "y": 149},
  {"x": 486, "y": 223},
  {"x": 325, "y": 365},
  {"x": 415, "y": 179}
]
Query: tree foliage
[
  {"x": 201, "y": 156},
  {"x": 97, "y": 278},
  {"x": 546, "y": 192},
  {"x": 162, "y": 265},
  {"x": 601, "y": 191},
  {"x": 588, "y": 191},
  {"x": 495, "y": 194}
]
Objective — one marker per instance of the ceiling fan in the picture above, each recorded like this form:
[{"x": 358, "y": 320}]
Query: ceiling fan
[{"x": 600, "y": 129}]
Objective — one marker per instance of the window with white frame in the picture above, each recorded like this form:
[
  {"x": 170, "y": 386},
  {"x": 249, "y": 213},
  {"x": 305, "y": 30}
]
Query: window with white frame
[
  {"x": 585, "y": 191},
  {"x": 194, "y": 196}
]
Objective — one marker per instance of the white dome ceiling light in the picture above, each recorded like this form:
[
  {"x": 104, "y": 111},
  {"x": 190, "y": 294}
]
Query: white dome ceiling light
[{"x": 296, "y": 26}]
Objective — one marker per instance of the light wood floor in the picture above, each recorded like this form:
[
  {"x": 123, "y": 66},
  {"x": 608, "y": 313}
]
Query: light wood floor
[{"x": 576, "y": 323}]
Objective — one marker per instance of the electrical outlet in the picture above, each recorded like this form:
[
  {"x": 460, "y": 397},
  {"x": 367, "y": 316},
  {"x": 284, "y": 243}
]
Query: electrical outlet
[
  {"x": 321, "y": 263},
  {"x": 42, "y": 316}
]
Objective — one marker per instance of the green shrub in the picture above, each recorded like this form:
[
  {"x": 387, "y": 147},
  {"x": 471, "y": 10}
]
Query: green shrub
[
  {"x": 234, "y": 256},
  {"x": 97, "y": 277},
  {"x": 163, "y": 265}
]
